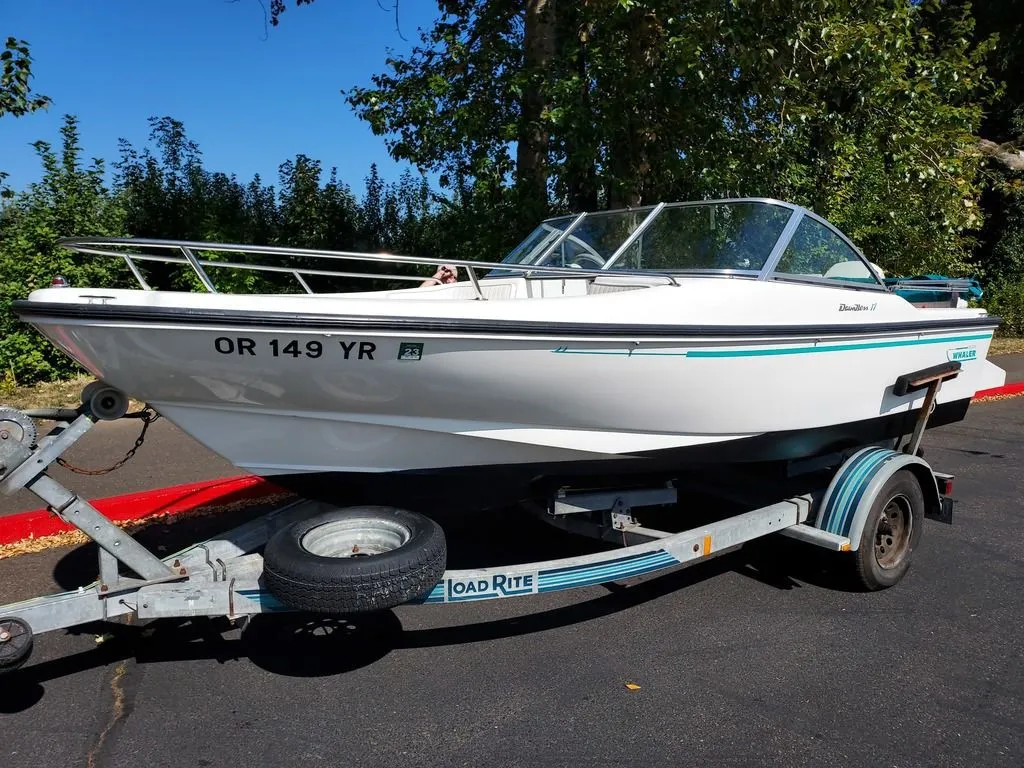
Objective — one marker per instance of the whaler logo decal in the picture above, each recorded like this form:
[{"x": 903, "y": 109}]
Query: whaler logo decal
[
  {"x": 857, "y": 307},
  {"x": 495, "y": 585},
  {"x": 962, "y": 354}
]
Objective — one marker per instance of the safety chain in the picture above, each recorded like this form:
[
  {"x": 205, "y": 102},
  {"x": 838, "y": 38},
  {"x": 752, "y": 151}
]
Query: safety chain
[{"x": 148, "y": 416}]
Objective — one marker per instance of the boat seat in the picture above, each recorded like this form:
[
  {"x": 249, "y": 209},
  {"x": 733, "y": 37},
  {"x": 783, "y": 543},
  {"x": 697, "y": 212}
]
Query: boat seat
[
  {"x": 462, "y": 290},
  {"x": 848, "y": 269},
  {"x": 596, "y": 287}
]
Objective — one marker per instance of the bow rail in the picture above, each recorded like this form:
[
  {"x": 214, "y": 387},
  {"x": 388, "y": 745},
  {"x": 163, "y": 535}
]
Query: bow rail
[{"x": 115, "y": 247}]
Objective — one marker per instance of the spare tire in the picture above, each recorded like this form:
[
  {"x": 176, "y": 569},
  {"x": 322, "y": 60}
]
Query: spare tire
[{"x": 354, "y": 560}]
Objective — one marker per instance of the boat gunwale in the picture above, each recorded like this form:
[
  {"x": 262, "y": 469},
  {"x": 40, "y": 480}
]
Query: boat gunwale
[{"x": 30, "y": 310}]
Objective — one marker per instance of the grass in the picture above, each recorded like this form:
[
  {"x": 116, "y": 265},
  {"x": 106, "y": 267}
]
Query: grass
[
  {"x": 57, "y": 394},
  {"x": 50, "y": 394},
  {"x": 1007, "y": 345}
]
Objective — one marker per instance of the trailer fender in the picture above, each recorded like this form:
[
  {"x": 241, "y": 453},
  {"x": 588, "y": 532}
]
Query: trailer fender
[{"x": 845, "y": 506}]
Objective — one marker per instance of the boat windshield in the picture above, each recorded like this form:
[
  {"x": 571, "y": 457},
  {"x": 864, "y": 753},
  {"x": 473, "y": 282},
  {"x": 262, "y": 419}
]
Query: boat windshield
[
  {"x": 538, "y": 241},
  {"x": 754, "y": 238},
  {"x": 732, "y": 235}
]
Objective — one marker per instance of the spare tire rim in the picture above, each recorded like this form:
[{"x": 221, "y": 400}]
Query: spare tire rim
[
  {"x": 892, "y": 534},
  {"x": 356, "y": 537}
]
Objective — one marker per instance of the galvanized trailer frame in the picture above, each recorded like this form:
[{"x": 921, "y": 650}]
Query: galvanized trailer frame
[{"x": 222, "y": 576}]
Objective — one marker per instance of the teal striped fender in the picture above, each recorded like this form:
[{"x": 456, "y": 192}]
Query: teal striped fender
[{"x": 845, "y": 506}]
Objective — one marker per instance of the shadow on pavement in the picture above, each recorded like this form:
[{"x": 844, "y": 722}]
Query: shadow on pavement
[{"x": 306, "y": 645}]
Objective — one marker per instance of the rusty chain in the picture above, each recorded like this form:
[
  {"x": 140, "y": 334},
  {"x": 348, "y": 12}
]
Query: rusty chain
[{"x": 148, "y": 416}]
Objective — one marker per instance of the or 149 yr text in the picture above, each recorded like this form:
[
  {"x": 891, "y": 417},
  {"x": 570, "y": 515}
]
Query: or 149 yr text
[{"x": 313, "y": 349}]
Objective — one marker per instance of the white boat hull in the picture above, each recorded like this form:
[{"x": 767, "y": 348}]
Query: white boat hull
[{"x": 288, "y": 400}]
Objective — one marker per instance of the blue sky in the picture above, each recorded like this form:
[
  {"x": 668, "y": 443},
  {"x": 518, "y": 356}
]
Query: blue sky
[{"x": 249, "y": 102}]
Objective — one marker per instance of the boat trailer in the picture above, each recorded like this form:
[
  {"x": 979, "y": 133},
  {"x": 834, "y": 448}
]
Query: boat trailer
[{"x": 870, "y": 510}]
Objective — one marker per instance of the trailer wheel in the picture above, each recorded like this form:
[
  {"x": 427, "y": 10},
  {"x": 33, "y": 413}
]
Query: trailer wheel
[
  {"x": 355, "y": 560},
  {"x": 891, "y": 531},
  {"x": 15, "y": 644}
]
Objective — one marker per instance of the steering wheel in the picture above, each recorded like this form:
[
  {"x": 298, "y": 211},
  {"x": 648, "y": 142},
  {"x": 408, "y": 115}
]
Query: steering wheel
[{"x": 581, "y": 261}]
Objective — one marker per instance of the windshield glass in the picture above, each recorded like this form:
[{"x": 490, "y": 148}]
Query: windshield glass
[
  {"x": 590, "y": 244},
  {"x": 715, "y": 236},
  {"x": 736, "y": 235},
  {"x": 537, "y": 241}
]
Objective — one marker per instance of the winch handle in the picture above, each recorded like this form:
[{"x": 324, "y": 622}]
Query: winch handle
[{"x": 53, "y": 414}]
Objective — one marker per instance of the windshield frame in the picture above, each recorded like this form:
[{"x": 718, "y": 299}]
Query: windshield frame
[{"x": 768, "y": 270}]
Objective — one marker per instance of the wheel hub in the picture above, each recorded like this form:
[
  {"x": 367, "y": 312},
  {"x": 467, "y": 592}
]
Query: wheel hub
[
  {"x": 892, "y": 534},
  {"x": 355, "y": 537},
  {"x": 15, "y": 643}
]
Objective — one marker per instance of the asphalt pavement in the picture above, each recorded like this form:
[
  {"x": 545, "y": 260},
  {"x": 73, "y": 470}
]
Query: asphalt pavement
[
  {"x": 1012, "y": 364},
  {"x": 759, "y": 657}
]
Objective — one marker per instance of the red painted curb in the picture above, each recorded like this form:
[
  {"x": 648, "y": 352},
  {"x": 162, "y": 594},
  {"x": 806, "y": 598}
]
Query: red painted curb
[
  {"x": 133, "y": 506},
  {"x": 1016, "y": 388}
]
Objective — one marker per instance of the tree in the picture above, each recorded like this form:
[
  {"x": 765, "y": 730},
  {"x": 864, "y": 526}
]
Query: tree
[
  {"x": 854, "y": 109},
  {"x": 163, "y": 190},
  {"x": 1000, "y": 251},
  {"x": 372, "y": 212},
  {"x": 16, "y": 96},
  {"x": 71, "y": 199},
  {"x": 868, "y": 114}
]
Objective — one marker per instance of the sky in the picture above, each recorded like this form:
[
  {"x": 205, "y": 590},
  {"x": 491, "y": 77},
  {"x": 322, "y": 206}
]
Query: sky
[{"x": 251, "y": 95}]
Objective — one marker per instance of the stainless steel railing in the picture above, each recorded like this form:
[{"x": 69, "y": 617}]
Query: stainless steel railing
[{"x": 119, "y": 248}]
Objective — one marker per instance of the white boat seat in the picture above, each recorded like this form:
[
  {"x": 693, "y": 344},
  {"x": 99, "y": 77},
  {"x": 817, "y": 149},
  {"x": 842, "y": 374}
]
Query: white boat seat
[
  {"x": 847, "y": 269},
  {"x": 596, "y": 287}
]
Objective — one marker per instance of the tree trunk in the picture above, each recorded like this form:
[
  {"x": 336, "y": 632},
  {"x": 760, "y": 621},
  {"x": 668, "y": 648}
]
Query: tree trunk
[
  {"x": 629, "y": 151},
  {"x": 532, "y": 148},
  {"x": 580, "y": 145},
  {"x": 1006, "y": 154}
]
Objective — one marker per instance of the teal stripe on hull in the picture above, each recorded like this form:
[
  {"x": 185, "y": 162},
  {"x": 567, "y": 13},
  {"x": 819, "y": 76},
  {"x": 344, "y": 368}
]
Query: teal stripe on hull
[
  {"x": 758, "y": 352},
  {"x": 835, "y": 348}
]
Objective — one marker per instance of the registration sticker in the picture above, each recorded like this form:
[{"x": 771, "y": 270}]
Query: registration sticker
[{"x": 410, "y": 351}]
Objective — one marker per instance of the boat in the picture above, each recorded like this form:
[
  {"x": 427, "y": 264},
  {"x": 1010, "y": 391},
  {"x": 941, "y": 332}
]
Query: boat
[{"x": 686, "y": 335}]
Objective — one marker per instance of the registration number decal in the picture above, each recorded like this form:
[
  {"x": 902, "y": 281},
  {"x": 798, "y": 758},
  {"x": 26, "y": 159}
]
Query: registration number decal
[{"x": 312, "y": 349}]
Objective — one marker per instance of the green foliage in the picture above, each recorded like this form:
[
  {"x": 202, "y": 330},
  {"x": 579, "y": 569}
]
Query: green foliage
[
  {"x": 1000, "y": 251},
  {"x": 16, "y": 96},
  {"x": 1006, "y": 300},
  {"x": 862, "y": 111},
  {"x": 1003, "y": 248},
  {"x": 873, "y": 127},
  {"x": 163, "y": 190},
  {"x": 70, "y": 199}
]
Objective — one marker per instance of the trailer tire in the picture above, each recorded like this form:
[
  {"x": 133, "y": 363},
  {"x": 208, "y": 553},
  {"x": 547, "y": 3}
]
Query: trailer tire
[
  {"x": 355, "y": 560},
  {"x": 16, "y": 642},
  {"x": 891, "y": 532}
]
